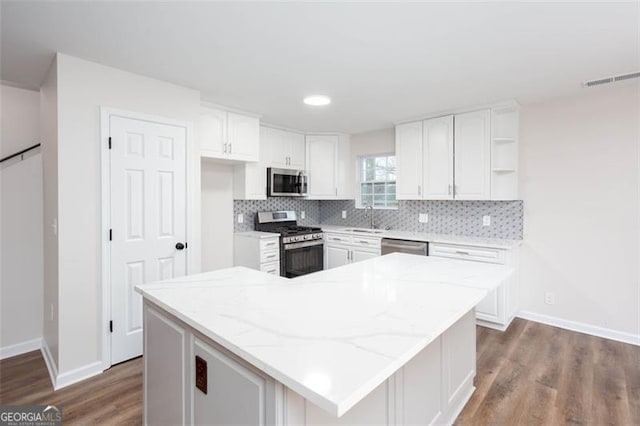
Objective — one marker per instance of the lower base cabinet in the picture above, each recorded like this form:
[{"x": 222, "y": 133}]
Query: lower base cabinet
[
  {"x": 234, "y": 393},
  {"x": 340, "y": 249},
  {"x": 499, "y": 307},
  {"x": 431, "y": 388}
]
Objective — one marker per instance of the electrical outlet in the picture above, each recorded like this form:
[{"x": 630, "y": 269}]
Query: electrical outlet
[
  {"x": 344, "y": 214},
  {"x": 240, "y": 218},
  {"x": 302, "y": 214},
  {"x": 423, "y": 218},
  {"x": 549, "y": 298},
  {"x": 486, "y": 220}
]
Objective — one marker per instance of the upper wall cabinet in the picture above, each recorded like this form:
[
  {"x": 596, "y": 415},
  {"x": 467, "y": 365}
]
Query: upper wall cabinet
[
  {"x": 282, "y": 148},
  {"x": 328, "y": 167},
  {"x": 472, "y": 165},
  {"x": 228, "y": 135},
  {"x": 470, "y": 156}
]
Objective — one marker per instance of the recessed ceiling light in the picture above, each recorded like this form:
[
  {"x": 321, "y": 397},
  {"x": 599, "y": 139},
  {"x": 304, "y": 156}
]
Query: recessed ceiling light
[{"x": 317, "y": 100}]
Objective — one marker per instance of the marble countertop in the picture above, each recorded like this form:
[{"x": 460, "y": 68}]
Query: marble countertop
[
  {"x": 258, "y": 234},
  {"x": 335, "y": 335},
  {"x": 431, "y": 238}
]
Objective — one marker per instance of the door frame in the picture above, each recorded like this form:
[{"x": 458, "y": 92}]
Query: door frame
[{"x": 192, "y": 173}]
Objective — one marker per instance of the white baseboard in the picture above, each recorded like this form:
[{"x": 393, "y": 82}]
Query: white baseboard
[
  {"x": 607, "y": 333},
  {"x": 70, "y": 377},
  {"x": 50, "y": 362},
  {"x": 20, "y": 348},
  {"x": 79, "y": 374}
]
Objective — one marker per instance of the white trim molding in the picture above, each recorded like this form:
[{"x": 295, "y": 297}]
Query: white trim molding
[
  {"x": 78, "y": 374},
  {"x": 20, "y": 348},
  {"x": 50, "y": 362},
  {"x": 580, "y": 327},
  {"x": 59, "y": 381}
]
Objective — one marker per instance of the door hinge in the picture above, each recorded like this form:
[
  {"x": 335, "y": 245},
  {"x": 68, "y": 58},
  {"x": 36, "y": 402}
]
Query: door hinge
[
  {"x": 110, "y": 234},
  {"x": 109, "y": 142},
  {"x": 110, "y": 326},
  {"x": 185, "y": 244}
]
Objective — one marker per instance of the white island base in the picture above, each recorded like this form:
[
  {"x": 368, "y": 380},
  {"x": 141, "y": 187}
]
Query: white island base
[{"x": 432, "y": 387}]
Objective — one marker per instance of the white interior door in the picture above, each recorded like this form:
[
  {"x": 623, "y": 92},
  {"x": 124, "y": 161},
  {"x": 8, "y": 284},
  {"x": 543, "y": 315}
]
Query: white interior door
[{"x": 148, "y": 220}]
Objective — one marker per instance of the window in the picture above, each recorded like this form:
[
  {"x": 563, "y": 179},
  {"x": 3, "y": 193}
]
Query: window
[{"x": 377, "y": 177}]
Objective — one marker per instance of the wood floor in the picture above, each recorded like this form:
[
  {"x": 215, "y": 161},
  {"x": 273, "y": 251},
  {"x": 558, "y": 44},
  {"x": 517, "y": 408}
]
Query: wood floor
[{"x": 532, "y": 374}]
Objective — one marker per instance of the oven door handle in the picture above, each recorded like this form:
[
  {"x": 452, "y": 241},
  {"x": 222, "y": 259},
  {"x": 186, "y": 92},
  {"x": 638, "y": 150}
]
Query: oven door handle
[{"x": 303, "y": 244}]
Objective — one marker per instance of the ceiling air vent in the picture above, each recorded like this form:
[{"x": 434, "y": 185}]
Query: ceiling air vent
[{"x": 612, "y": 79}]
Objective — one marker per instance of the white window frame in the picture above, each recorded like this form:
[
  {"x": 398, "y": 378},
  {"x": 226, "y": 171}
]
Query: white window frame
[{"x": 359, "y": 204}]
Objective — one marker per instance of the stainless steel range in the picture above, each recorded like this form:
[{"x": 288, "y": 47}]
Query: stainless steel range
[{"x": 301, "y": 247}]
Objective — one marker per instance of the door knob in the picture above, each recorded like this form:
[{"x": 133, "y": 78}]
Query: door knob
[{"x": 180, "y": 246}]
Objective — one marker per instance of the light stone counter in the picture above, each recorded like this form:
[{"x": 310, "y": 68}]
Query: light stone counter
[{"x": 333, "y": 336}]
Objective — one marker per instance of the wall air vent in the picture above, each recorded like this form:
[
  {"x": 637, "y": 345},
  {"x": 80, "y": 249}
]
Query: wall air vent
[{"x": 612, "y": 79}]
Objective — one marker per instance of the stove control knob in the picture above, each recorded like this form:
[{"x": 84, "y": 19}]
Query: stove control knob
[{"x": 308, "y": 237}]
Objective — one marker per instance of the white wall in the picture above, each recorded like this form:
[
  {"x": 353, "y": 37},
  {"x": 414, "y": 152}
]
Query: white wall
[
  {"x": 217, "y": 216},
  {"x": 370, "y": 143},
  {"x": 21, "y": 223},
  {"x": 83, "y": 87},
  {"x": 49, "y": 140},
  {"x": 579, "y": 177}
]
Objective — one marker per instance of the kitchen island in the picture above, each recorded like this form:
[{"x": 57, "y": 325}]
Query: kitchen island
[{"x": 390, "y": 340}]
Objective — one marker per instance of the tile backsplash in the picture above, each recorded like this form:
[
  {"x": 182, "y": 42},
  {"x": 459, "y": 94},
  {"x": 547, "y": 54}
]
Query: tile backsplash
[
  {"x": 445, "y": 217},
  {"x": 248, "y": 209}
]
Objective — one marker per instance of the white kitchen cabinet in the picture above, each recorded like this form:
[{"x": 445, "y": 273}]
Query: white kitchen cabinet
[
  {"x": 234, "y": 394},
  {"x": 164, "y": 350},
  {"x": 295, "y": 143},
  {"x": 341, "y": 249},
  {"x": 250, "y": 181},
  {"x": 409, "y": 161},
  {"x": 472, "y": 152},
  {"x": 470, "y": 156},
  {"x": 283, "y": 149},
  {"x": 327, "y": 160},
  {"x": 360, "y": 254},
  {"x": 191, "y": 379},
  {"x": 227, "y": 135},
  {"x": 336, "y": 255},
  {"x": 499, "y": 307},
  {"x": 257, "y": 250},
  {"x": 437, "y": 158}
]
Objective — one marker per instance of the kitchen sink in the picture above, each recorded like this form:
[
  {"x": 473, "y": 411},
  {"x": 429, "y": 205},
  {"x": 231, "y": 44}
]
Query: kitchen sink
[{"x": 366, "y": 231}]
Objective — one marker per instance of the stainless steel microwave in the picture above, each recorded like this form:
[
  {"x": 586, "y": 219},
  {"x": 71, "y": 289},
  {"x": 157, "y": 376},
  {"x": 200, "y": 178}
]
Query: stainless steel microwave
[{"x": 286, "y": 183}]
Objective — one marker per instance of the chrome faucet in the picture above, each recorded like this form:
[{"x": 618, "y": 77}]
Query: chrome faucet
[{"x": 372, "y": 224}]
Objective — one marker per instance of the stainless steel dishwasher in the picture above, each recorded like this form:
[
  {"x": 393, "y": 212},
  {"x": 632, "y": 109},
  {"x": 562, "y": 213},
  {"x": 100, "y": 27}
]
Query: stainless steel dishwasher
[{"x": 390, "y": 245}]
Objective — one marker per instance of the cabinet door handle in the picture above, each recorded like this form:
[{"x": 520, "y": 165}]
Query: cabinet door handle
[
  {"x": 270, "y": 244},
  {"x": 462, "y": 252},
  {"x": 271, "y": 271},
  {"x": 271, "y": 256},
  {"x": 449, "y": 189},
  {"x": 364, "y": 242},
  {"x": 229, "y": 147},
  {"x": 225, "y": 148},
  {"x": 419, "y": 190},
  {"x": 336, "y": 192}
]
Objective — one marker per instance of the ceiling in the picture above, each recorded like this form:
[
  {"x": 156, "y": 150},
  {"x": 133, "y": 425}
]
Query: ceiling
[{"x": 379, "y": 62}]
